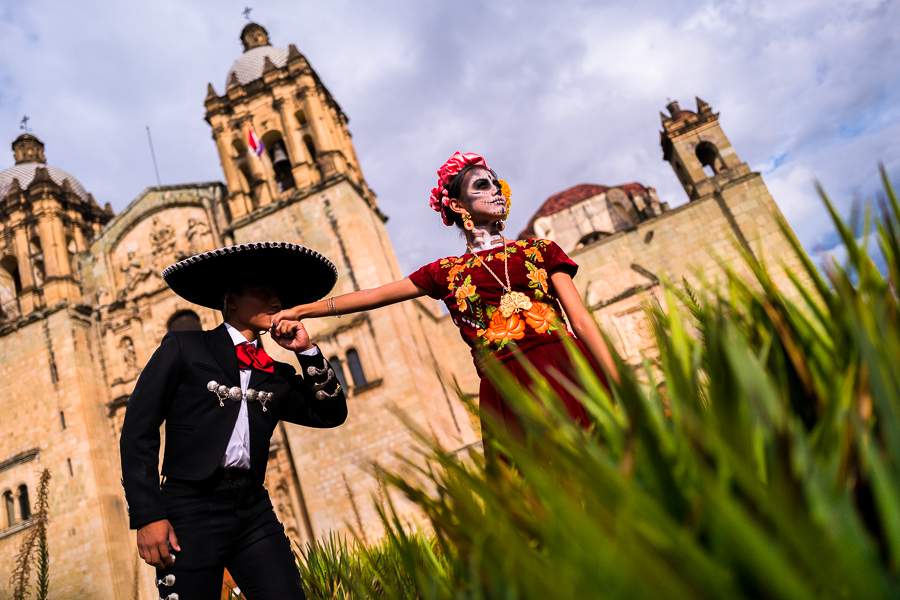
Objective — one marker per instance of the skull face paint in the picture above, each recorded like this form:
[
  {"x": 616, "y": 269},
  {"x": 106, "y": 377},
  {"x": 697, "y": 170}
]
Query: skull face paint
[{"x": 481, "y": 194}]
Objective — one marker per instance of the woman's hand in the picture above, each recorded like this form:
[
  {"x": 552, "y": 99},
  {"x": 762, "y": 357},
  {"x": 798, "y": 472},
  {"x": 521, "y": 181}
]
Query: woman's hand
[
  {"x": 288, "y": 314},
  {"x": 291, "y": 335}
]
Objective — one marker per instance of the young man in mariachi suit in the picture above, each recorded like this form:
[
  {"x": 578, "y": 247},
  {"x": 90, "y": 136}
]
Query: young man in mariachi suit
[{"x": 221, "y": 396}]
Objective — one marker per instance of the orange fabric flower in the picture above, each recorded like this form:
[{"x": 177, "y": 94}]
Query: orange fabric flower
[
  {"x": 454, "y": 271},
  {"x": 500, "y": 329},
  {"x": 540, "y": 317},
  {"x": 463, "y": 293},
  {"x": 539, "y": 277},
  {"x": 534, "y": 253}
]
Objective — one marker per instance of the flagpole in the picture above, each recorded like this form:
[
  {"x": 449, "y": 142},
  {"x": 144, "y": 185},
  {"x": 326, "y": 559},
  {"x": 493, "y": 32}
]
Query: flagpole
[{"x": 153, "y": 155}]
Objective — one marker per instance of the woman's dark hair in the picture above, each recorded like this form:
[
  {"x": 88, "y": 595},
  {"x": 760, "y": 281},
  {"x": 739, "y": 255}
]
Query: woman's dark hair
[{"x": 454, "y": 190}]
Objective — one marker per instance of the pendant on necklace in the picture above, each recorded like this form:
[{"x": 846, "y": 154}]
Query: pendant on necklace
[{"x": 513, "y": 302}]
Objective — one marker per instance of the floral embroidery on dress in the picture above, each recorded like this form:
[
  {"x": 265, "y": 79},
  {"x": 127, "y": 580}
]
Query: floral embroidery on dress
[
  {"x": 466, "y": 292},
  {"x": 501, "y": 331},
  {"x": 537, "y": 277},
  {"x": 527, "y": 308},
  {"x": 541, "y": 317},
  {"x": 534, "y": 253}
]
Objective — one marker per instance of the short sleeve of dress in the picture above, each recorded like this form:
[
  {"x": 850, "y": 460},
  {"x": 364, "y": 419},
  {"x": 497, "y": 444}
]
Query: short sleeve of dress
[
  {"x": 557, "y": 260},
  {"x": 427, "y": 279}
]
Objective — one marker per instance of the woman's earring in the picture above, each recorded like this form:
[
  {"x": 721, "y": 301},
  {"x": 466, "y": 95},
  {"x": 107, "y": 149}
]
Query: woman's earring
[{"x": 467, "y": 221}]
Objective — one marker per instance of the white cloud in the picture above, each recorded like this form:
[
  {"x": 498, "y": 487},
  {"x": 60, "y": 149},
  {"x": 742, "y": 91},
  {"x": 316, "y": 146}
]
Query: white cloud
[{"x": 553, "y": 94}]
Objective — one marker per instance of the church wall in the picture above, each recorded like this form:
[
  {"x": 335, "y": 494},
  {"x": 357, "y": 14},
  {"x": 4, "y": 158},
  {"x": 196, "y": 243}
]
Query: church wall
[
  {"x": 619, "y": 272},
  {"x": 86, "y": 507}
]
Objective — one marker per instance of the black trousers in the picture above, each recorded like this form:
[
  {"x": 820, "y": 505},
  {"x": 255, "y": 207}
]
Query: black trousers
[{"x": 229, "y": 523}]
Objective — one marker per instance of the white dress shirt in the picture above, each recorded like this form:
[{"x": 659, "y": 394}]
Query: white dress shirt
[{"x": 237, "y": 453}]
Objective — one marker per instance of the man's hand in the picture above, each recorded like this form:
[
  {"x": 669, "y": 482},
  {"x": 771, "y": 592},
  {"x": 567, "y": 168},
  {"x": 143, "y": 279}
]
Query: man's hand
[
  {"x": 154, "y": 540},
  {"x": 291, "y": 335}
]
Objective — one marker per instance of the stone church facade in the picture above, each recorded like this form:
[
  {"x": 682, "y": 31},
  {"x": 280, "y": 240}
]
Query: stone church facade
[{"x": 82, "y": 306}]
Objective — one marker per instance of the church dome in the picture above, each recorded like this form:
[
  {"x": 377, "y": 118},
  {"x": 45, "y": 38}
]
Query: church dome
[
  {"x": 249, "y": 66},
  {"x": 29, "y": 153}
]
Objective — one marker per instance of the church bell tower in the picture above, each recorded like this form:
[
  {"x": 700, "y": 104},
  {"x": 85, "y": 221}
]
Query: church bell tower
[
  {"x": 277, "y": 128},
  {"x": 698, "y": 150},
  {"x": 46, "y": 219}
]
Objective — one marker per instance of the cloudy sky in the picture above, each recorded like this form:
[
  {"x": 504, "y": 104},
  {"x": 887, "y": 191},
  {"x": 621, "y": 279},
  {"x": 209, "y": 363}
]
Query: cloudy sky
[{"x": 553, "y": 94}]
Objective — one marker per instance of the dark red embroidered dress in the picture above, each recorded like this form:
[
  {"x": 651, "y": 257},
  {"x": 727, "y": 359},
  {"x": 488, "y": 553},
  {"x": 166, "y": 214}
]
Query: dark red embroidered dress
[{"x": 473, "y": 295}]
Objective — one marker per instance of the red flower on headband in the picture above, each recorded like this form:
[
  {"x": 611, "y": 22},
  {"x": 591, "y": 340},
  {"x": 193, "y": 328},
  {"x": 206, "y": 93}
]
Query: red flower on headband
[{"x": 456, "y": 163}]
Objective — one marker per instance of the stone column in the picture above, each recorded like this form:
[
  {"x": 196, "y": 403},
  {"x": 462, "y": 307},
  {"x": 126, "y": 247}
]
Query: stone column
[
  {"x": 28, "y": 298},
  {"x": 238, "y": 202}
]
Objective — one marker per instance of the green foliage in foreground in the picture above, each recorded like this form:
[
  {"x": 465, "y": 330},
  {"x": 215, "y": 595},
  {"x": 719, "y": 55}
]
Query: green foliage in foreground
[{"x": 768, "y": 465}]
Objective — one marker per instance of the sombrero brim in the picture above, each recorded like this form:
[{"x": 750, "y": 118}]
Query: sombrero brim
[{"x": 299, "y": 274}]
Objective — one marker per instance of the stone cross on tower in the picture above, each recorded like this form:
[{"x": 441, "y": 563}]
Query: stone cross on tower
[
  {"x": 246, "y": 13},
  {"x": 23, "y": 124}
]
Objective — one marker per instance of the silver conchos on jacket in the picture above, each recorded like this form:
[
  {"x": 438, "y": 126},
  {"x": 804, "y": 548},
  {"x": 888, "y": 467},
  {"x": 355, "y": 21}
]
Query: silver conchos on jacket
[{"x": 234, "y": 394}]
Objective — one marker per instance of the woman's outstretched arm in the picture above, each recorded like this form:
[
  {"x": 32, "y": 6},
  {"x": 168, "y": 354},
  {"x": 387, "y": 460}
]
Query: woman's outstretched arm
[
  {"x": 389, "y": 293},
  {"x": 583, "y": 325}
]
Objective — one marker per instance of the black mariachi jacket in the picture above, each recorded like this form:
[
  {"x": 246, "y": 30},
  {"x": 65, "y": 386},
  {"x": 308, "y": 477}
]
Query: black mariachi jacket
[{"x": 173, "y": 388}]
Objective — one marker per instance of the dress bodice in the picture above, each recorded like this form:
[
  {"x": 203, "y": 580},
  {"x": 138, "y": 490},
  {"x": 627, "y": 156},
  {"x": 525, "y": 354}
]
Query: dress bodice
[{"x": 529, "y": 317}]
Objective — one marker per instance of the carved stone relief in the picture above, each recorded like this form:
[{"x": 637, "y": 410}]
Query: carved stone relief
[
  {"x": 154, "y": 244},
  {"x": 129, "y": 357},
  {"x": 199, "y": 237}
]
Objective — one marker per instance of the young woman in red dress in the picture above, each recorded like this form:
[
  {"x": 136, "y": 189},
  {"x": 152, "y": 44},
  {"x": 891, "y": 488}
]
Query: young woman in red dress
[{"x": 501, "y": 294}]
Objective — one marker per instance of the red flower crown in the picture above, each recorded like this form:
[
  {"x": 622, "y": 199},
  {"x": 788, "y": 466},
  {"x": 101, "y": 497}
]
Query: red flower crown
[{"x": 456, "y": 163}]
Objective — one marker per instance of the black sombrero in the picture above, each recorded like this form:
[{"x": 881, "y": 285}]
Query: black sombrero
[{"x": 300, "y": 275}]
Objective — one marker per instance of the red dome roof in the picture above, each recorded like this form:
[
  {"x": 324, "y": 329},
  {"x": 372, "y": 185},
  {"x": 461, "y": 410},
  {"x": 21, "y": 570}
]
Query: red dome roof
[{"x": 572, "y": 196}]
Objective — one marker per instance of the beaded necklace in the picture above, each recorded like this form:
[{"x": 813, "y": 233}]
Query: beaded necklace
[{"x": 510, "y": 302}]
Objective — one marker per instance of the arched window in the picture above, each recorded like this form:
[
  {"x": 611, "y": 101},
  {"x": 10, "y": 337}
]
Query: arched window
[
  {"x": 34, "y": 247},
  {"x": 24, "y": 505},
  {"x": 72, "y": 249},
  {"x": 356, "y": 370},
  {"x": 301, "y": 118},
  {"x": 310, "y": 147},
  {"x": 590, "y": 238},
  {"x": 709, "y": 157},
  {"x": 338, "y": 367},
  {"x": 39, "y": 273},
  {"x": 184, "y": 320},
  {"x": 281, "y": 162},
  {"x": 37, "y": 259},
  {"x": 9, "y": 506},
  {"x": 684, "y": 177},
  {"x": 10, "y": 286},
  {"x": 9, "y": 272}
]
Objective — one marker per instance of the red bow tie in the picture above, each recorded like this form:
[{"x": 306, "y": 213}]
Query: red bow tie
[{"x": 251, "y": 357}]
